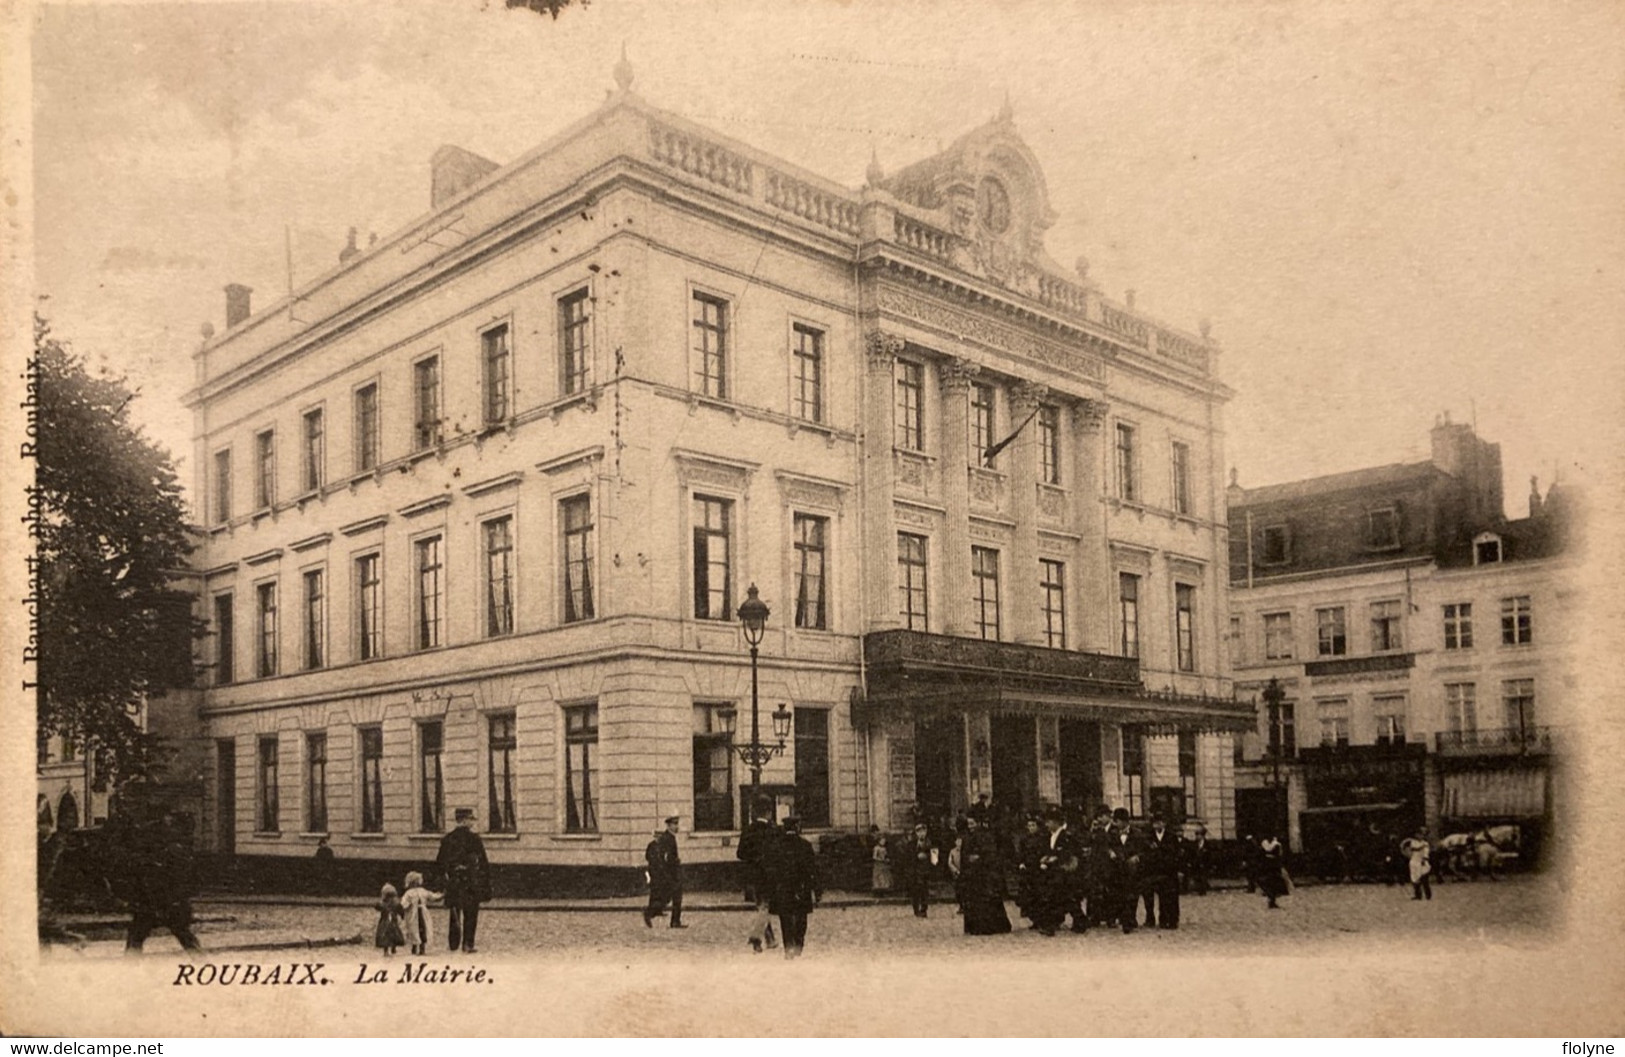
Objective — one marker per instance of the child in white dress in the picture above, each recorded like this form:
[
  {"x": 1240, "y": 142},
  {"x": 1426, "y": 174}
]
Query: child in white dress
[{"x": 416, "y": 922}]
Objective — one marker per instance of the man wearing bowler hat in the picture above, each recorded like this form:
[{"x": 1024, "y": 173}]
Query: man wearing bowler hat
[
  {"x": 665, "y": 876},
  {"x": 467, "y": 876}
]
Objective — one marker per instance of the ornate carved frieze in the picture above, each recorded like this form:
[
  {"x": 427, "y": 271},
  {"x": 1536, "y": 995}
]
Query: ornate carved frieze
[
  {"x": 803, "y": 490},
  {"x": 1051, "y": 502},
  {"x": 986, "y": 487},
  {"x": 971, "y": 326},
  {"x": 881, "y": 347},
  {"x": 918, "y": 517},
  {"x": 910, "y": 469},
  {"x": 956, "y": 375},
  {"x": 700, "y": 468}
]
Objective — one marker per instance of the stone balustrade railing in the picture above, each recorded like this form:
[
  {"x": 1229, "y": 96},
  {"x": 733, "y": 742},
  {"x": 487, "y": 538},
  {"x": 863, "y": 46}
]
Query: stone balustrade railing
[
  {"x": 808, "y": 202},
  {"x": 695, "y": 156},
  {"x": 921, "y": 237},
  {"x": 1130, "y": 326}
]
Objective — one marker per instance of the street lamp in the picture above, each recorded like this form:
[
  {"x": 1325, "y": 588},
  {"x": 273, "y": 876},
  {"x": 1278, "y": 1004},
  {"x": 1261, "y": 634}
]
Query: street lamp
[
  {"x": 1273, "y": 697},
  {"x": 753, "y": 614}
]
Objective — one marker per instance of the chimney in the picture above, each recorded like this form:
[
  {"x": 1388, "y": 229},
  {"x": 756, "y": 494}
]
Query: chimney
[
  {"x": 1534, "y": 497},
  {"x": 350, "y": 249},
  {"x": 237, "y": 309}
]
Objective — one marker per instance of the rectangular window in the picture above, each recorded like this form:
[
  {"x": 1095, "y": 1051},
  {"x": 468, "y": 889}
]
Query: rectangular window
[
  {"x": 500, "y": 745},
  {"x": 368, "y": 608},
  {"x": 1052, "y": 585},
  {"x": 315, "y": 444},
  {"x": 1390, "y": 717},
  {"x": 265, "y": 470},
  {"x": 498, "y": 375},
  {"x": 575, "y": 514},
  {"x": 1187, "y": 770},
  {"x": 315, "y": 619},
  {"x": 713, "y": 591},
  {"x": 428, "y": 592},
  {"x": 1458, "y": 626},
  {"x": 713, "y": 767},
  {"x": 1276, "y": 546},
  {"x": 1182, "y": 477},
  {"x": 807, "y": 381},
  {"x": 910, "y": 409},
  {"x": 1049, "y": 444},
  {"x": 711, "y": 345},
  {"x": 1185, "y": 626},
  {"x": 1461, "y": 707},
  {"x": 812, "y": 765},
  {"x": 1382, "y": 529},
  {"x": 1128, "y": 483},
  {"x": 810, "y": 534},
  {"x": 1334, "y": 723},
  {"x": 984, "y": 571},
  {"x": 316, "y": 782},
  {"x": 1134, "y": 771},
  {"x": 366, "y": 428},
  {"x": 575, "y": 347},
  {"x": 431, "y": 782},
  {"x": 911, "y": 583},
  {"x": 1237, "y": 643},
  {"x": 1515, "y": 621},
  {"x": 372, "y": 779},
  {"x": 1277, "y": 636},
  {"x": 265, "y": 596},
  {"x": 1284, "y": 730},
  {"x": 222, "y": 486},
  {"x": 498, "y": 543},
  {"x": 269, "y": 818},
  {"x": 1128, "y": 613},
  {"x": 426, "y": 403},
  {"x": 1386, "y": 629},
  {"x": 982, "y": 423},
  {"x": 581, "y": 769},
  {"x": 225, "y": 641},
  {"x": 1331, "y": 632},
  {"x": 1518, "y": 697}
]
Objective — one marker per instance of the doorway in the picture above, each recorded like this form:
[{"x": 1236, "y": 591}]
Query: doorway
[
  {"x": 1079, "y": 752},
  {"x": 939, "y": 762},
  {"x": 1015, "y": 764}
]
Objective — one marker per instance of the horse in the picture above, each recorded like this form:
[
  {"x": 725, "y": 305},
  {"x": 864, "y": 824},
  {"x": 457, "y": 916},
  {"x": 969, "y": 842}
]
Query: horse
[{"x": 1481, "y": 852}]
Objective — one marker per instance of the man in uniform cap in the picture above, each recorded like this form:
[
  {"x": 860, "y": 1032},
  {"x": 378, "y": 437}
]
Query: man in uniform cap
[
  {"x": 665, "y": 876},
  {"x": 466, "y": 873},
  {"x": 790, "y": 870}
]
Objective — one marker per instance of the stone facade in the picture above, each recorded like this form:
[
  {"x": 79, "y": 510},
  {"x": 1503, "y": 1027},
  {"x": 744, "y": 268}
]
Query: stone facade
[{"x": 482, "y": 502}]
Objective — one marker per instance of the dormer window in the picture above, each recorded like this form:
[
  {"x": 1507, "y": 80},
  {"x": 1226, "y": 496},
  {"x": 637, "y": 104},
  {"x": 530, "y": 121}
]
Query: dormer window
[
  {"x": 1382, "y": 529},
  {"x": 1486, "y": 549},
  {"x": 1277, "y": 546}
]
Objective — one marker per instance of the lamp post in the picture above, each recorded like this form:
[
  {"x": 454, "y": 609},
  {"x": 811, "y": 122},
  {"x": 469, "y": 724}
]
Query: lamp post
[{"x": 753, "y": 614}]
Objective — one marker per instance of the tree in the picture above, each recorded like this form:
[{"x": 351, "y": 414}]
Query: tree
[
  {"x": 111, "y": 537},
  {"x": 550, "y": 7}
]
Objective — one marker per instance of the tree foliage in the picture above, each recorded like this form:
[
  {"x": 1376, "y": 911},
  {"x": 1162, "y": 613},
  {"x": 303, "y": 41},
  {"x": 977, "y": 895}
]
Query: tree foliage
[
  {"x": 114, "y": 628},
  {"x": 548, "y": 7}
]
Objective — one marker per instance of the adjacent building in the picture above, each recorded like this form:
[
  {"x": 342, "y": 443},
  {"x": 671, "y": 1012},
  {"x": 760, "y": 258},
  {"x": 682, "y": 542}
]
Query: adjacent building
[
  {"x": 482, "y": 502},
  {"x": 1416, "y": 644}
]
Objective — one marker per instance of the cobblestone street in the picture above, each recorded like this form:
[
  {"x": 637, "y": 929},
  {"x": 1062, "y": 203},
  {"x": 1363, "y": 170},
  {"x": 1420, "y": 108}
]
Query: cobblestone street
[{"x": 1517, "y": 911}]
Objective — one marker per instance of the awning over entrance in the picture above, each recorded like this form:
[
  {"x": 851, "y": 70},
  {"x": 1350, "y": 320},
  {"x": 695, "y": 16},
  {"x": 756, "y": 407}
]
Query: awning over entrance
[
  {"x": 919, "y": 672},
  {"x": 1351, "y": 809}
]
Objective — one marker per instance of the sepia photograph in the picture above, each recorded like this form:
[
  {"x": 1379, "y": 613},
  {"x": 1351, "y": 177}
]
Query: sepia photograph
[{"x": 623, "y": 517}]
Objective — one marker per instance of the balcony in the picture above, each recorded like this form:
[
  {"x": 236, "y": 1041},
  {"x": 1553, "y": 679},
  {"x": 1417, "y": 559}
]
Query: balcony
[
  {"x": 916, "y": 670},
  {"x": 1525, "y": 741},
  {"x": 1381, "y": 662}
]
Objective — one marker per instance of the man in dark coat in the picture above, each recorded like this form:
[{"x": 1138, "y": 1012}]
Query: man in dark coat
[
  {"x": 1096, "y": 870},
  {"x": 1059, "y": 881},
  {"x": 919, "y": 857},
  {"x": 753, "y": 844},
  {"x": 1159, "y": 875},
  {"x": 1031, "y": 847},
  {"x": 790, "y": 869},
  {"x": 155, "y": 878},
  {"x": 1122, "y": 867},
  {"x": 466, "y": 873},
  {"x": 665, "y": 876},
  {"x": 1199, "y": 861}
]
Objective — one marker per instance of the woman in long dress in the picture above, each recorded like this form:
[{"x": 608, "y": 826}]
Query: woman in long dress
[
  {"x": 982, "y": 874},
  {"x": 1273, "y": 880}
]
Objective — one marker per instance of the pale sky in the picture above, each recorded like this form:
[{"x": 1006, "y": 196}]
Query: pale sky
[{"x": 1387, "y": 210}]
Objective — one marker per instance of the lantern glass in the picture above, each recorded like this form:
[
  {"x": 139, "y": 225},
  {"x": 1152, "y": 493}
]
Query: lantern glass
[
  {"x": 753, "y": 614},
  {"x": 781, "y": 722}
]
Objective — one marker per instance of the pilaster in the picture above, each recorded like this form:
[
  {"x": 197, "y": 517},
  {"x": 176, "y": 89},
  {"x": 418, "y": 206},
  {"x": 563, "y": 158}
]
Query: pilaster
[
  {"x": 879, "y": 534},
  {"x": 954, "y": 377},
  {"x": 1094, "y": 576}
]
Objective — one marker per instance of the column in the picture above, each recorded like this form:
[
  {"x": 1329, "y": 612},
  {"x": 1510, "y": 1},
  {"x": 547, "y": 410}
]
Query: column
[
  {"x": 1026, "y": 615},
  {"x": 1094, "y": 576},
  {"x": 879, "y": 533},
  {"x": 953, "y": 601}
]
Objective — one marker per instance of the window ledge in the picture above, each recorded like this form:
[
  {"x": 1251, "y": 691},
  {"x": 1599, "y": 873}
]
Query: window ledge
[
  {"x": 368, "y": 836},
  {"x": 317, "y": 835},
  {"x": 576, "y": 838},
  {"x": 424, "y": 837},
  {"x": 912, "y": 453},
  {"x": 267, "y": 834},
  {"x": 504, "y": 835}
]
